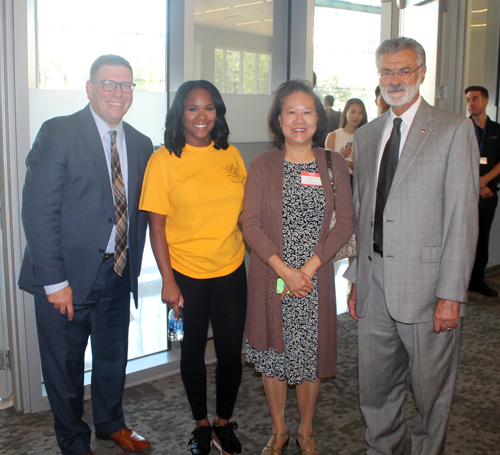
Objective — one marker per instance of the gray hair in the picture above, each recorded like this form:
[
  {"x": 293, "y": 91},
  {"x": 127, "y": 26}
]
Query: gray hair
[{"x": 393, "y": 45}]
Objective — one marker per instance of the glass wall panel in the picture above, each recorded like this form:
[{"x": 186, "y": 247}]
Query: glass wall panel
[
  {"x": 69, "y": 36},
  {"x": 233, "y": 65},
  {"x": 482, "y": 50},
  {"x": 346, "y": 36},
  {"x": 264, "y": 74},
  {"x": 478, "y": 24},
  {"x": 234, "y": 40},
  {"x": 249, "y": 71}
]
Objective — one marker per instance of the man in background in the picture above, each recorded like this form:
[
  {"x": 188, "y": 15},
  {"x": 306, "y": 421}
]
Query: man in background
[
  {"x": 332, "y": 116},
  {"x": 85, "y": 238},
  {"x": 488, "y": 138}
]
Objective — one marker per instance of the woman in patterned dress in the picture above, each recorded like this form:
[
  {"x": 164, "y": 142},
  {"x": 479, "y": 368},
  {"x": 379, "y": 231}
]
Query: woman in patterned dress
[{"x": 288, "y": 205}]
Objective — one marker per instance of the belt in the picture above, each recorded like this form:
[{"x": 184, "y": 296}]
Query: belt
[
  {"x": 377, "y": 250},
  {"x": 107, "y": 256}
]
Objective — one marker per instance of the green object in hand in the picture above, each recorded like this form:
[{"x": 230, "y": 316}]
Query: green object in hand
[{"x": 280, "y": 286}]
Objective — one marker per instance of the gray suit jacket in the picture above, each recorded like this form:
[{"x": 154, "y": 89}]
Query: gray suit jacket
[
  {"x": 68, "y": 211},
  {"x": 430, "y": 219}
]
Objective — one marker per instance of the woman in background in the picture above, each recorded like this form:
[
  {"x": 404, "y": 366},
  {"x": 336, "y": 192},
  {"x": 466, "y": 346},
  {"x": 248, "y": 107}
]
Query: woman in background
[
  {"x": 193, "y": 190},
  {"x": 292, "y": 321},
  {"x": 353, "y": 116}
]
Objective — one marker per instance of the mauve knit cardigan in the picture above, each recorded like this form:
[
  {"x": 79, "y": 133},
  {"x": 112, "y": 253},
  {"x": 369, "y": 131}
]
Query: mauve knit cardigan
[{"x": 262, "y": 229}]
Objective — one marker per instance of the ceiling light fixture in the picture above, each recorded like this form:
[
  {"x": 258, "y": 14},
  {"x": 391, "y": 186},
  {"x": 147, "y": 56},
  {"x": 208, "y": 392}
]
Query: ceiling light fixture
[
  {"x": 252, "y": 22},
  {"x": 248, "y": 4},
  {"x": 218, "y": 9}
]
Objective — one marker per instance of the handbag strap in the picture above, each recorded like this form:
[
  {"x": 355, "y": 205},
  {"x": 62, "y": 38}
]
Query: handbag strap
[{"x": 329, "y": 165}]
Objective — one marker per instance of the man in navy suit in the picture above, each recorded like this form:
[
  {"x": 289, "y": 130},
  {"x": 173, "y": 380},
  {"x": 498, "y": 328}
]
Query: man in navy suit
[{"x": 84, "y": 253}]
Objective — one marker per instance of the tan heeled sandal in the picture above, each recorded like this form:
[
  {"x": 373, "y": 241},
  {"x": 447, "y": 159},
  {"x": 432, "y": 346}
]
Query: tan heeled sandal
[
  {"x": 310, "y": 449},
  {"x": 272, "y": 449}
]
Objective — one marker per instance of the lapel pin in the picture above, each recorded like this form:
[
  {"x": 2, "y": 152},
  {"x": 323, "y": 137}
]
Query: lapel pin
[{"x": 423, "y": 132}]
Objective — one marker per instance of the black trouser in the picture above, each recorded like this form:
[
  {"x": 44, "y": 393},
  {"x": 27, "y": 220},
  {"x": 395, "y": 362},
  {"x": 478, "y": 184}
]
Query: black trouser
[
  {"x": 222, "y": 300},
  {"x": 104, "y": 316},
  {"x": 486, "y": 215}
]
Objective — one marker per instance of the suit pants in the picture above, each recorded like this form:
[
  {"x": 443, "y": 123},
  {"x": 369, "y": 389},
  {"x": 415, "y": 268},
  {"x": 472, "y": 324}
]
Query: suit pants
[
  {"x": 104, "y": 316},
  {"x": 387, "y": 349},
  {"x": 487, "y": 209},
  {"x": 223, "y": 300}
]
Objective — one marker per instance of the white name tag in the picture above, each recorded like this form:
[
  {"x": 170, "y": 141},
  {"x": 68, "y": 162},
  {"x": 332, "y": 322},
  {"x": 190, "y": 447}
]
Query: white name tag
[
  {"x": 310, "y": 179},
  {"x": 483, "y": 160}
]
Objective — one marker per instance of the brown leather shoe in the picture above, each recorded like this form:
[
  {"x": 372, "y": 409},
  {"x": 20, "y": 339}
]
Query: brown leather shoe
[{"x": 127, "y": 439}]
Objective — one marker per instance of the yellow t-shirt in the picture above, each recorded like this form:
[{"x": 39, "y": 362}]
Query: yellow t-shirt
[{"x": 201, "y": 193}]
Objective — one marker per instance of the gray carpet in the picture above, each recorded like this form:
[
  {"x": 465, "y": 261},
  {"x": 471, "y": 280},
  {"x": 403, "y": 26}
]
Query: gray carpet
[{"x": 159, "y": 409}]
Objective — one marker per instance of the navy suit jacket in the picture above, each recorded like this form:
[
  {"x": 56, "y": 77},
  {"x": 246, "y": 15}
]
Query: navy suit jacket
[{"x": 68, "y": 211}]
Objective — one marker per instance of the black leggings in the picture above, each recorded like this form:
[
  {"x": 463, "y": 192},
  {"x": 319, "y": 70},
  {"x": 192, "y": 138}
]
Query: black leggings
[{"x": 223, "y": 300}]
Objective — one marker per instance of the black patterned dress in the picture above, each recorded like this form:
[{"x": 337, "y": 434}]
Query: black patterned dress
[{"x": 303, "y": 213}]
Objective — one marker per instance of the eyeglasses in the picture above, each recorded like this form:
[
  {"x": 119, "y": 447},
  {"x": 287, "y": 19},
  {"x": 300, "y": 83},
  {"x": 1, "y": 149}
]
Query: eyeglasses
[
  {"x": 109, "y": 86},
  {"x": 403, "y": 74}
]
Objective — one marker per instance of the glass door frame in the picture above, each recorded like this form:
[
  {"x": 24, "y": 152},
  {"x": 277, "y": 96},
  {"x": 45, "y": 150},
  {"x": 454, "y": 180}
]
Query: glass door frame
[{"x": 5, "y": 373}]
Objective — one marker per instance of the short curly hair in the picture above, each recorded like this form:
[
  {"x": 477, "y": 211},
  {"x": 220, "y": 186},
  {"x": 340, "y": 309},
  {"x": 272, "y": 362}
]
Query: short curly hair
[{"x": 285, "y": 89}]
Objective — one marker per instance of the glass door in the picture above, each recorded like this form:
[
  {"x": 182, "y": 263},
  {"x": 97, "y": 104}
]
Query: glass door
[
  {"x": 413, "y": 15},
  {"x": 61, "y": 66}
]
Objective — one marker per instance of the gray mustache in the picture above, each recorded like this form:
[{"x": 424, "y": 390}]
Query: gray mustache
[{"x": 393, "y": 88}]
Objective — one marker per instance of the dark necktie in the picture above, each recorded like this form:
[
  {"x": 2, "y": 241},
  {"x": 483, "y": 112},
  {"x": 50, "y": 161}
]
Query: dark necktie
[
  {"x": 120, "y": 198},
  {"x": 386, "y": 173}
]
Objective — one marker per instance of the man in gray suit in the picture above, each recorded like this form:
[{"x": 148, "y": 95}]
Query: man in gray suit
[
  {"x": 85, "y": 237},
  {"x": 416, "y": 189}
]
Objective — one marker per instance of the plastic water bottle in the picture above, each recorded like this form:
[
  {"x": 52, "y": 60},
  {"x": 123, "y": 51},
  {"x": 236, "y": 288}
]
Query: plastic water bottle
[{"x": 175, "y": 326}]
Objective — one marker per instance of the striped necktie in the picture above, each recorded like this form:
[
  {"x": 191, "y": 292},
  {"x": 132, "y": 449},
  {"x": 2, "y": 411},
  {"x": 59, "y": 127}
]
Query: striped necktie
[{"x": 120, "y": 198}]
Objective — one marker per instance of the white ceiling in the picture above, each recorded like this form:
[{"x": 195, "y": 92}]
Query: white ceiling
[{"x": 247, "y": 16}]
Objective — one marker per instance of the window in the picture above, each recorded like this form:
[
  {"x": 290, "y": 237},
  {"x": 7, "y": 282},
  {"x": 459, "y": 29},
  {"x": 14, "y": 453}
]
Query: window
[
  {"x": 345, "y": 40},
  {"x": 69, "y": 39},
  {"x": 239, "y": 72},
  {"x": 233, "y": 43}
]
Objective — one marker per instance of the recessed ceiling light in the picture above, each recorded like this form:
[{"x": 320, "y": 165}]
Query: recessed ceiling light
[
  {"x": 218, "y": 9},
  {"x": 245, "y": 23},
  {"x": 248, "y": 4}
]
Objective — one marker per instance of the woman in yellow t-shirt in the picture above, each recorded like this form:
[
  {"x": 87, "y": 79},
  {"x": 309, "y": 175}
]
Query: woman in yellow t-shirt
[{"x": 193, "y": 190}]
